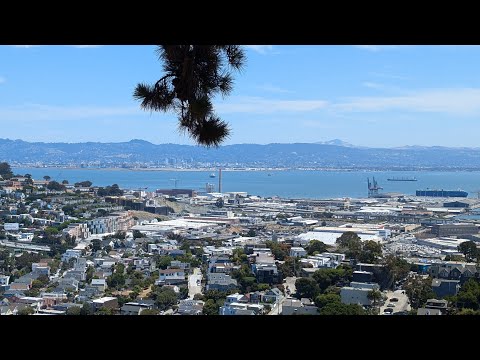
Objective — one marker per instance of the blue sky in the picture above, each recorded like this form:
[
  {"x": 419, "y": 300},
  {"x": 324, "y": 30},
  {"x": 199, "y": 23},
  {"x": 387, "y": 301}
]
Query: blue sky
[{"x": 366, "y": 95}]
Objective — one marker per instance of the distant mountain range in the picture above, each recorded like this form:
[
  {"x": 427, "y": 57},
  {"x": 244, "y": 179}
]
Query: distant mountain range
[{"x": 334, "y": 154}]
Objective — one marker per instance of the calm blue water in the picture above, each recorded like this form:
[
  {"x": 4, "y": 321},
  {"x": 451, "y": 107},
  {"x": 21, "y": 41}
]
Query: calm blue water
[{"x": 291, "y": 184}]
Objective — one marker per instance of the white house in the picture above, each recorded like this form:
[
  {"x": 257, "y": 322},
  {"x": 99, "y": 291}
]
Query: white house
[
  {"x": 357, "y": 293},
  {"x": 170, "y": 276},
  {"x": 297, "y": 252}
]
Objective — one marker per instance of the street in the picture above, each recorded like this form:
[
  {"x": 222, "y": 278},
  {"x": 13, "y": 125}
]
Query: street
[
  {"x": 400, "y": 305},
  {"x": 193, "y": 288},
  {"x": 290, "y": 282}
]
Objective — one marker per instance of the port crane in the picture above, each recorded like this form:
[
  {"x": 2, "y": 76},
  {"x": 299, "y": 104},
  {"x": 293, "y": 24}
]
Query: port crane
[
  {"x": 175, "y": 181},
  {"x": 373, "y": 187}
]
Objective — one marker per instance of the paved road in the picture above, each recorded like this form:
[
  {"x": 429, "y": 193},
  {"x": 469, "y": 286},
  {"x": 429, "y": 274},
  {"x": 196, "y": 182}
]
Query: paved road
[
  {"x": 193, "y": 288},
  {"x": 401, "y": 305},
  {"x": 277, "y": 308},
  {"x": 290, "y": 282}
]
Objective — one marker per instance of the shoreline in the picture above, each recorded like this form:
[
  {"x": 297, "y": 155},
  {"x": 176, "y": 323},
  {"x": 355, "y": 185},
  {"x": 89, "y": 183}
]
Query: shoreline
[{"x": 215, "y": 170}]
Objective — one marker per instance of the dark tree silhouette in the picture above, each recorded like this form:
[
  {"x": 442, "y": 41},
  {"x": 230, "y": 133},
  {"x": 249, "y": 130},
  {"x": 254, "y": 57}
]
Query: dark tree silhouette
[
  {"x": 5, "y": 170},
  {"x": 194, "y": 74}
]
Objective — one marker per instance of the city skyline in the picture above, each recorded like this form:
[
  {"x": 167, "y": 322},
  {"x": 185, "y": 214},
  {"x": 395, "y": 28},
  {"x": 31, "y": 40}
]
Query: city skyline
[{"x": 366, "y": 95}]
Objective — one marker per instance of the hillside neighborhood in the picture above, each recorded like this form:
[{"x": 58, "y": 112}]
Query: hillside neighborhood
[{"x": 80, "y": 249}]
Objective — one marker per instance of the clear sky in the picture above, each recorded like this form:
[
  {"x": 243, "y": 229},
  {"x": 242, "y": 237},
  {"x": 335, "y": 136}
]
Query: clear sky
[{"x": 366, "y": 95}]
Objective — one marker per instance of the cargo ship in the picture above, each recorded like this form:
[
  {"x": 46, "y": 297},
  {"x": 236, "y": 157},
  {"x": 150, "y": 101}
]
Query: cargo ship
[
  {"x": 442, "y": 193},
  {"x": 401, "y": 179}
]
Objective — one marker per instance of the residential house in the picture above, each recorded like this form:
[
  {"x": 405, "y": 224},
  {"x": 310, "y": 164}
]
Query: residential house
[
  {"x": 65, "y": 306},
  {"x": 100, "y": 284},
  {"x": 272, "y": 296},
  {"x": 425, "y": 311},
  {"x": 236, "y": 308},
  {"x": 34, "y": 302},
  {"x": 190, "y": 307},
  {"x": 79, "y": 275},
  {"x": 221, "y": 282},
  {"x": 320, "y": 261},
  {"x": 70, "y": 254},
  {"x": 297, "y": 252},
  {"x": 68, "y": 284},
  {"x": 41, "y": 268},
  {"x": 176, "y": 264},
  {"x": 255, "y": 297},
  {"x": 296, "y": 307},
  {"x": 88, "y": 292},
  {"x": 106, "y": 302},
  {"x": 236, "y": 298},
  {"x": 9, "y": 309},
  {"x": 436, "y": 304},
  {"x": 267, "y": 274},
  {"x": 4, "y": 281},
  {"x": 136, "y": 307},
  {"x": 362, "y": 276},
  {"x": 444, "y": 287},
  {"x": 53, "y": 298},
  {"x": 357, "y": 293},
  {"x": 13, "y": 293},
  {"x": 171, "y": 276},
  {"x": 19, "y": 286}
]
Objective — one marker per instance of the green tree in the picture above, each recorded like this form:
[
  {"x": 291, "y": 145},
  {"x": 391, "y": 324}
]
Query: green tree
[
  {"x": 96, "y": 245},
  {"x": 138, "y": 234},
  {"x": 306, "y": 288},
  {"x": 164, "y": 297},
  {"x": 469, "y": 295},
  {"x": 83, "y": 184},
  {"x": 210, "y": 307},
  {"x": 194, "y": 74},
  {"x": 371, "y": 250},
  {"x": 27, "y": 310},
  {"x": 397, "y": 267},
  {"x": 5, "y": 170},
  {"x": 325, "y": 299},
  {"x": 336, "y": 308},
  {"x": 469, "y": 249},
  {"x": 316, "y": 246},
  {"x": 47, "y": 178},
  {"x": 279, "y": 251},
  {"x": 116, "y": 280},
  {"x": 163, "y": 261},
  {"x": 149, "y": 312},
  {"x": 418, "y": 290},
  {"x": 74, "y": 310},
  {"x": 105, "y": 311},
  {"x": 289, "y": 267},
  {"x": 351, "y": 242},
  {"x": 56, "y": 186},
  {"x": 375, "y": 296},
  {"x": 64, "y": 182},
  {"x": 251, "y": 233},
  {"x": 330, "y": 277},
  {"x": 87, "y": 309}
]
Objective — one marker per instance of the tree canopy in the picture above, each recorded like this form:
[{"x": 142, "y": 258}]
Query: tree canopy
[
  {"x": 5, "y": 170},
  {"x": 418, "y": 290},
  {"x": 194, "y": 74},
  {"x": 113, "y": 190},
  {"x": 316, "y": 246},
  {"x": 469, "y": 249}
]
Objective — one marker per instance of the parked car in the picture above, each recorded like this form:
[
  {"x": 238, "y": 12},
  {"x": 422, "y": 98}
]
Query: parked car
[
  {"x": 391, "y": 305},
  {"x": 394, "y": 299},
  {"x": 388, "y": 311}
]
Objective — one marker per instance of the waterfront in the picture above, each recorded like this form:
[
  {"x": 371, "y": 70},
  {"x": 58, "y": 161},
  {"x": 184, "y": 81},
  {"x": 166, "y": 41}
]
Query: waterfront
[{"x": 286, "y": 184}]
